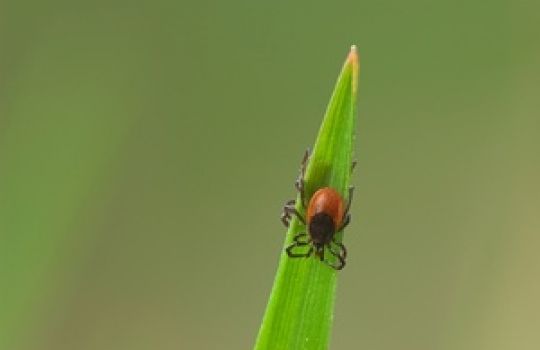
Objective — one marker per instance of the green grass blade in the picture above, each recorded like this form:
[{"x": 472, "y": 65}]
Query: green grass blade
[{"x": 300, "y": 308}]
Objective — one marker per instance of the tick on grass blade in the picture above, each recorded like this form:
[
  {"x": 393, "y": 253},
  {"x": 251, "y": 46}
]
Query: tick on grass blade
[{"x": 327, "y": 214}]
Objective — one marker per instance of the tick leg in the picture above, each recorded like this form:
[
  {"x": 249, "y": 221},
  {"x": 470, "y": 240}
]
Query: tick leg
[
  {"x": 297, "y": 243},
  {"x": 353, "y": 164},
  {"x": 351, "y": 192},
  {"x": 288, "y": 211},
  {"x": 342, "y": 247},
  {"x": 341, "y": 257},
  {"x": 289, "y": 208},
  {"x": 299, "y": 255},
  {"x": 298, "y": 236},
  {"x": 346, "y": 222},
  {"x": 285, "y": 217},
  {"x": 299, "y": 184},
  {"x": 346, "y": 217}
]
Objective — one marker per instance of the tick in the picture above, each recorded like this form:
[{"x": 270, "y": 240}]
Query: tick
[{"x": 327, "y": 214}]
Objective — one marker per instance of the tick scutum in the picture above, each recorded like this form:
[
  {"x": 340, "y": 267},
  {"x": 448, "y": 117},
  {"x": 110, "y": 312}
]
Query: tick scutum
[{"x": 321, "y": 228}]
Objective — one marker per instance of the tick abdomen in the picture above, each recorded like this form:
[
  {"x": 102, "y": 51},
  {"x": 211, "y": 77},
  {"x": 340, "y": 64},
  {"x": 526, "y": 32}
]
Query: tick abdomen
[{"x": 326, "y": 200}]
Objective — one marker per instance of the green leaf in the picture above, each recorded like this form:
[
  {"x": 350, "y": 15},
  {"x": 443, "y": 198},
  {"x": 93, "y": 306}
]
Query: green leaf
[{"x": 300, "y": 309}]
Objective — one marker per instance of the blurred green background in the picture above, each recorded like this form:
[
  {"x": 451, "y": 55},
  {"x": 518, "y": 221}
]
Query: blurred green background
[{"x": 146, "y": 150}]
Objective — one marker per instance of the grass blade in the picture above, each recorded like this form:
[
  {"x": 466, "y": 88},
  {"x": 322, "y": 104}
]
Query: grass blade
[{"x": 300, "y": 308}]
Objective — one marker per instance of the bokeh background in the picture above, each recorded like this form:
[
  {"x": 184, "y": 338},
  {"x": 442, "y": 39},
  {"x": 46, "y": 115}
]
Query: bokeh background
[{"x": 146, "y": 150}]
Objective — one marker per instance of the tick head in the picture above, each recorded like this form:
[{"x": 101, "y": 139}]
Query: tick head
[{"x": 321, "y": 228}]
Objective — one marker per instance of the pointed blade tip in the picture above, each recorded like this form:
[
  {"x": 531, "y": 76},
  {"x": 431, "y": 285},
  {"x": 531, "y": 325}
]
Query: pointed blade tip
[{"x": 353, "y": 55}]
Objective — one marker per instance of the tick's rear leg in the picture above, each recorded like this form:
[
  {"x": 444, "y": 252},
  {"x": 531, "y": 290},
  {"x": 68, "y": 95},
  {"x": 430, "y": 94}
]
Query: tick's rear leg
[
  {"x": 299, "y": 184},
  {"x": 285, "y": 216},
  {"x": 346, "y": 222},
  {"x": 288, "y": 211},
  {"x": 346, "y": 215},
  {"x": 289, "y": 208},
  {"x": 349, "y": 201}
]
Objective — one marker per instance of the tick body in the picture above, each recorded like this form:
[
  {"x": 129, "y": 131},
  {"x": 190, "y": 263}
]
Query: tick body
[
  {"x": 324, "y": 215},
  {"x": 327, "y": 214}
]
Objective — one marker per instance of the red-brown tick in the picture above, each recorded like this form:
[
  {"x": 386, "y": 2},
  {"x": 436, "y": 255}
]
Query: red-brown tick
[{"x": 327, "y": 214}]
